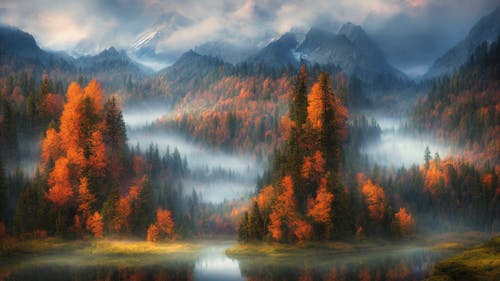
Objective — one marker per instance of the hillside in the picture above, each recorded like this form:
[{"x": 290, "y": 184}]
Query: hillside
[
  {"x": 463, "y": 108},
  {"x": 487, "y": 29}
]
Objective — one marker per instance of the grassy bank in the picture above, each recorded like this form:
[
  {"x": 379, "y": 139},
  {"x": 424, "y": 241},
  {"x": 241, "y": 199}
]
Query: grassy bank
[
  {"x": 447, "y": 241},
  {"x": 95, "y": 247},
  {"x": 478, "y": 263}
]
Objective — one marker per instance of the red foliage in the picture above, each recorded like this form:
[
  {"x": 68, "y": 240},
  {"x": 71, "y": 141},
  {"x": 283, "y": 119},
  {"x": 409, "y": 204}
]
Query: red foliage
[
  {"x": 153, "y": 233},
  {"x": 405, "y": 221},
  {"x": 95, "y": 225},
  {"x": 85, "y": 199},
  {"x": 375, "y": 199},
  {"x": 61, "y": 190},
  {"x": 315, "y": 108},
  {"x": 313, "y": 167},
  {"x": 53, "y": 105},
  {"x": 303, "y": 230},
  {"x": 51, "y": 146},
  {"x": 283, "y": 209},
  {"x": 165, "y": 221},
  {"x": 97, "y": 159},
  {"x": 321, "y": 207},
  {"x": 266, "y": 197},
  {"x": 123, "y": 211}
]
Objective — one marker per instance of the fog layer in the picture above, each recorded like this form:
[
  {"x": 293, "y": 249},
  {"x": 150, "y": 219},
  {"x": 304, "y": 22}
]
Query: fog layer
[
  {"x": 214, "y": 174},
  {"x": 398, "y": 147}
]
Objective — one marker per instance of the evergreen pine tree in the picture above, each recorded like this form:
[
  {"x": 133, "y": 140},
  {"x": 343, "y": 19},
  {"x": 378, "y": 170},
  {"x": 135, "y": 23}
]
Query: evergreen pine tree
[{"x": 427, "y": 157}]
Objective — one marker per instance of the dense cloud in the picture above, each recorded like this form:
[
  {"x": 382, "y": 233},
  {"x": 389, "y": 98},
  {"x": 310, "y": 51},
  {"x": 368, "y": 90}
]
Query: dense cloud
[{"x": 411, "y": 32}]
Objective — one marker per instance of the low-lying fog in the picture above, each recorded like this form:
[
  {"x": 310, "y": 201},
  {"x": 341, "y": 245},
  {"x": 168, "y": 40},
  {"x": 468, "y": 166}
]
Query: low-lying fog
[
  {"x": 145, "y": 113},
  {"x": 214, "y": 174},
  {"x": 397, "y": 147}
]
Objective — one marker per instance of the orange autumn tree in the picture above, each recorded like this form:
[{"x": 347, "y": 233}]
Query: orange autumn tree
[
  {"x": 321, "y": 207},
  {"x": 434, "y": 177},
  {"x": 285, "y": 221},
  {"x": 313, "y": 167},
  {"x": 266, "y": 197},
  {"x": 153, "y": 233},
  {"x": 405, "y": 221},
  {"x": 51, "y": 148},
  {"x": 164, "y": 226},
  {"x": 375, "y": 200},
  {"x": 282, "y": 210},
  {"x": 123, "y": 211},
  {"x": 315, "y": 109},
  {"x": 326, "y": 120},
  {"x": 95, "y": 224},
  {"x": 61, "y": 191},
  {"x": 74, "y": 154},
  {"x": 128, "y": 208},
  {"x": 165, "y": 221},
  {"x": 305, "y": 176},
  {"x": 85, "y": 200}
]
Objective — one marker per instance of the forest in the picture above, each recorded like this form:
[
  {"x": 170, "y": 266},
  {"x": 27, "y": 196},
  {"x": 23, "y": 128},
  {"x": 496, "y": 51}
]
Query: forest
[
  {"x": 317, "y": 186},
  {"x": 311, "y": 159}
]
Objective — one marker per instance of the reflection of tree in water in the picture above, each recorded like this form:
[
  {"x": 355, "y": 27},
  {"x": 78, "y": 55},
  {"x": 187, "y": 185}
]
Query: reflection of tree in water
[
  {"x": 172, "y": 272},
  {"x": 413, "y": 266}
]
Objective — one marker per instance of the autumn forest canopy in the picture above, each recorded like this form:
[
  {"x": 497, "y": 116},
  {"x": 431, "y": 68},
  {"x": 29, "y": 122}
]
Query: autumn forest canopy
[{"x": 289, "y": 145}]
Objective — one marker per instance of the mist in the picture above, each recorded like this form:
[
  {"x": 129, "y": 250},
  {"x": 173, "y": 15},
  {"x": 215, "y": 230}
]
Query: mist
[
  {"x": 214, "y": 174},
  {"x": 398, "y": 147},
  {"x": 145, "y": 113}
]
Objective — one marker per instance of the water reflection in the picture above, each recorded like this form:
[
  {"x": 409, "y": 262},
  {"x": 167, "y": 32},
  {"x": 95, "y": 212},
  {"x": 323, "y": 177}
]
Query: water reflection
[
  {"x": 214, "y": 265},
  {"x": 211, "y": 263},
  {"x": 413, "y": 267},
  {"x": 179, "y": 272}
]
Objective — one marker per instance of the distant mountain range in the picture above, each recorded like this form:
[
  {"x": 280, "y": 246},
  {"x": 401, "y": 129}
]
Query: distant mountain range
[
  {"x": 350, "y": 48},
  {"x": 487, "y": 29},
  {"x": 111, "y": 62},
  {"x": 145, "y": 48},
  {"x": 225, "y": 51},
  {"x": 20, "y": 52}
]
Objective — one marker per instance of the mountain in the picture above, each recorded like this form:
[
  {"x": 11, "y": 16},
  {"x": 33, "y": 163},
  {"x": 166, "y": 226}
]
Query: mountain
[
  {"x": 146, "y": 48},
  {"x": 20, "y": 52},
  {"x": 277, "y": 54},
  {"x": 465, "y": 107},
  {"x": 188, "y": 74},
  {"x": 323, "y": 47},
  {"x": 352, "y": 50},
  {"x": 111, "y": 64},
  {"x": 225, "y": 51},
  {"x": 192, "y": 64},
  {"x": 487, "y": 29}
]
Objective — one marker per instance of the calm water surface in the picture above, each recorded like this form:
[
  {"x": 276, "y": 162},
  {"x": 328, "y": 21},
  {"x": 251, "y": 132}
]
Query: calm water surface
[{"x": 211, "y": 263}]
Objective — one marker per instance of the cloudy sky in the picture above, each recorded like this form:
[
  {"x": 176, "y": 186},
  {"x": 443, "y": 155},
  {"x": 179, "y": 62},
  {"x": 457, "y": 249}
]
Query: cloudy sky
[{"x": 412, "y": 33}]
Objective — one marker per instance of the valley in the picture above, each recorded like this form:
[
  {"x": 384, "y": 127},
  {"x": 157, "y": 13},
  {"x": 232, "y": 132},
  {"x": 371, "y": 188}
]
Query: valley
[{"x": 289, "y": 150}]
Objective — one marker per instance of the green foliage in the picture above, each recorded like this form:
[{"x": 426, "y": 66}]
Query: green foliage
[
  {"x": 479, "y": 263},
  {"x": 32, "y": 211},
  {"x": 463, "y": 109},
  {"x": 3, "y": 193},
  {"x": 115, "y": 133}
]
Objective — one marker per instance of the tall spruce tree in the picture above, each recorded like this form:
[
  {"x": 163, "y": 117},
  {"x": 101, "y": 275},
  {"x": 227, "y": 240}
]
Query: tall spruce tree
[{"x": 298, "y": 115}]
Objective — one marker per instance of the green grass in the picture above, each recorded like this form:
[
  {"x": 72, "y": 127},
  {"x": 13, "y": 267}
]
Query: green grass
[
  {"x": 95, "y": 247},
  {"x": 127, "y": 247},
  {"x": 49, "y": 252},
  {"x": 286, "y": 250},
  {"x": 11, "y": 246},
  {"x": 478, "y": 263}
]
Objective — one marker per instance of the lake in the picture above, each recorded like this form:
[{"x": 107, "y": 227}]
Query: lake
[{"x": 209, "y": 262}]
